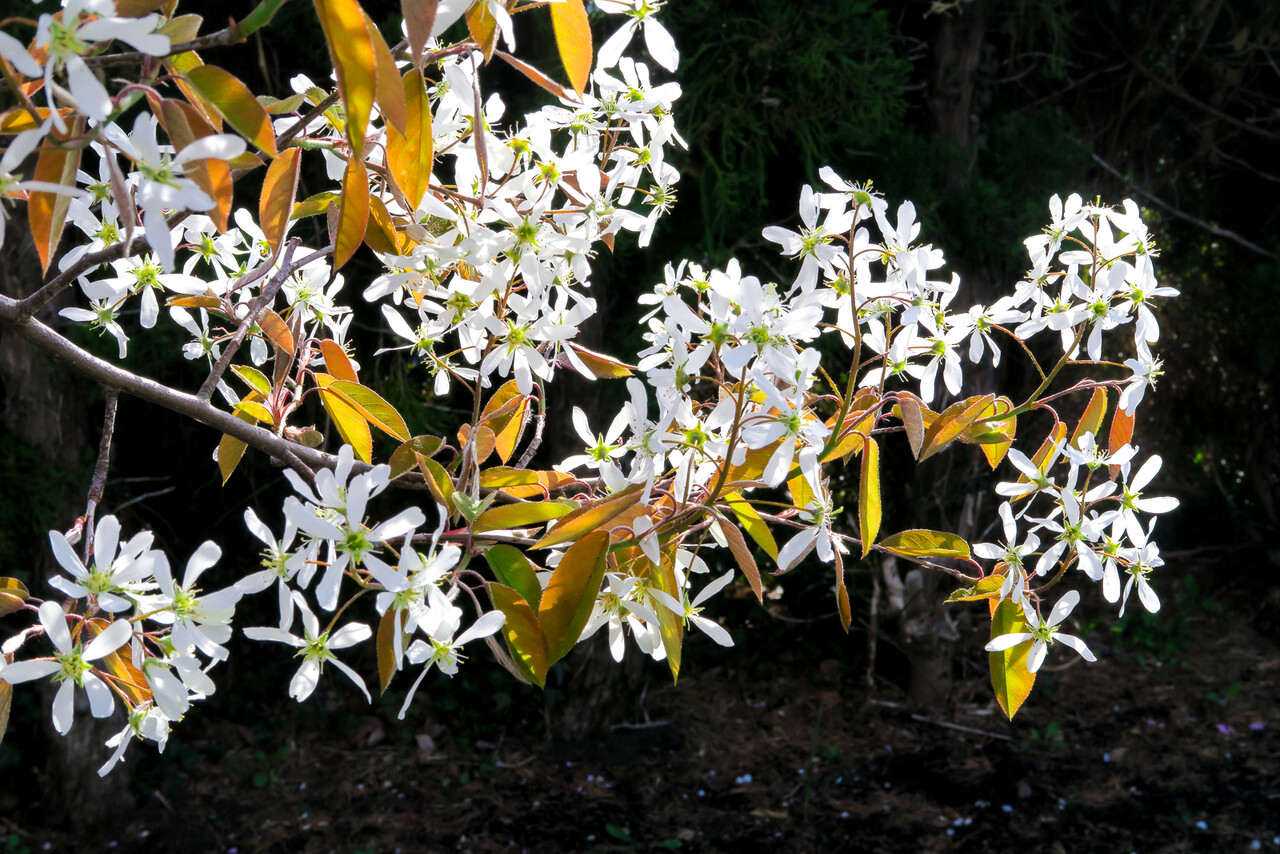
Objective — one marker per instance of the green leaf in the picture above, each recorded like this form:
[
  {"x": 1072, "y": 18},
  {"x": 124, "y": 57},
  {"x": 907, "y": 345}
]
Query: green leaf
[
  {"x": 869, "y": 510},
  {"x": 260, "y": 16},
  {"x": 402, "y": 459},
  {"x": 255, "y": 378},
  {"x": 257, "y": 410},
  {"x": 590, "y": 517},
  {"x": 670, "y": 624},
  {"x": 986, "y": 588},
  {"x": 571, "y": 593},
  {"x": 438, "y": 481},
  {"x": 520, "y": 515},
  {"x": 751, "y": 522},
  {"x": 500, "y": 476},
  {"x": 513, "y": 569},
  {"x": 920, "y": 542},
  {"x": 236, "y": 104},
  {"x": 1009, "y": 675},
  {"x": 521, "y": 632}
]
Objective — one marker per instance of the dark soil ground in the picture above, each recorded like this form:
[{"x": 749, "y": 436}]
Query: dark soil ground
[{"x": 1170, "y": 743}]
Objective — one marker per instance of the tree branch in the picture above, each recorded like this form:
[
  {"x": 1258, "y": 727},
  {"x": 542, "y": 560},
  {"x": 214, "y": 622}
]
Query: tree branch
[
  {"x": 1224, "y": 233},
  {"x": 99, "y": 482}
]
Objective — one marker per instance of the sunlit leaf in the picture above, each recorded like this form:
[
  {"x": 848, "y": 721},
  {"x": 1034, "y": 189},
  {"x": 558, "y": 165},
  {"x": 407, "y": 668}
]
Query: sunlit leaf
[
  {"x": 1120, "y": 435},
  {"x": 521, "y": 632},
  {"x": 183, "y": 28},
  {"x": 185, "y": 124},
  {"x": 389, "y": 92},
  {"x": 842, "y": 594},
  {"x": 279, "y": 187},
  {"x": 1046, "y": 448},
  {"x": 231, "y": 449},
  {"x": 742, "y": 554},
  {"x": 590, "y": 517},
  {"x": 236, "y": 104},
  {"x": 13, "y": 595},
  {"x": 6, "y": 703},
  {"x": 912, "y": 421},
  {"x": 751, "y": 522},
  {"x": 381, "y": 235},
  {"x": 419, "y": 19},
  {"x": 988, "y": 587},
  {"x": 1009, "y": 675},
  {"x": 314, "y": 205},
  {"x": 372, "y": 408},
  {"x": 573, "y": 39},
  {"x": 47, "y": 212},
  {"x": 337, "y": 362},
  {"x": 257, "y": 410},
  {"x": 571, "y": 593},
  {"x": 506, "y": 516},
  {"x": 604, "y": 367},
  {"x": 1092, "y": 417},
  {"x": 670, "y": 624},
  {"x": 352, "y": 54},
  {"x": 869, "y": 510},
  {"x": 535, "y": 75},
  {"x": 513, "y": 569},
  {"x": 409, "y": 154},
  {"x": 350, "y": 421},
  {"x": 545, "y": 482},
  {"x": 504, "y": 414},
  {"x": 260, "y": 16},
  {"x": 953, "y": 421},
  {"x": 274, "y": 327},
  {"x": 385, "y": 645},
  {"x": 483, "y": 27},
  {"x": 438, "y": 481},
  {"x": 920, "y": 542},
  {"x": 353, "y": 212}
]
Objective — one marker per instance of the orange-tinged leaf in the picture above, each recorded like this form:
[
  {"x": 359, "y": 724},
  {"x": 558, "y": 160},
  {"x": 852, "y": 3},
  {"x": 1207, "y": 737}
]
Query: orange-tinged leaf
[
  {"x": 500, "y": 476},
  {"x": 988, "y": 587},
  {"x": 571, "y": 593},
  {"x": 236, "y": 104},
  {"x": 353, "y": 212},
  {"x": 274, "y": 327},
  {"x": 485, "y": 441},
  {"x": 185, "y": 124},
  {"x": 1009, "y": 675},
  {"x": 1046, "y": 448},
  {"x": 751, "y": 522},
  {"x": 604, "y": 367},
  {"x": 506, "y": 516},
  {"x": 402, "y": 458},
  {"x": 858, "y": 425},
  {"x": 483, "y": 27},
  {"x": 419, "y": 19},
  {"x": 920, "y": 542},
  {"x": 179, "y": 64},
  {"x": 513, "y": 569},
  {"x": 278, "y": 190},
  {"x": 352, "y": 54},
  {"x": 801, "y": 491},
  {"x": 13, "y": 595},
  {"x": 590, "y": 517},
  {"x": 504, "y": 414},
  {"x": 18, "y": 119},
  {"x": 535, "y": 75},
  {"x": 338, "y": 362},
  {"x": 389, "y": 92},
  {"x": 47, "y": 212},
  {"x": 546, "y": 482},
  {"x": 912, "y": 421},
  {"x": 742, "y": 554},
  {"x": 521, "y": 632},
  {"x": 351, "y": 424},
  {"x": 670, "y": 624},
  {"x": 1092, "y": 417},
  {"x": 573, "y": 39},
  {"x": 952, "y": 422},
  {"x": 409, "y": 154},
  {"x": 1120, "y": 435},
  {"x": 869, "y": 510}
]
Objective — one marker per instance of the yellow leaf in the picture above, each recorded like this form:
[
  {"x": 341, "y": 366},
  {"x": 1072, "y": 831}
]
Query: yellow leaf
[
  {"x": 573, "y": 39},
  {"x": 1091, "y": 418},
  {"x": 185, "y": 124},
  {"x": 604, "y": 367},
  {"x": 919, "y": 542},
  {"x": 504, "y": 414},
  {"x": 382, "y": 236},
  {"x": 842, "y": 594},
  {"x": 506, "y": 516},
  {"x": 483, "y": 27},
  {"x": 751, "y": 522},
  {"x": 352, "y": 54},
  {"x": 47, "y": 212},
  {"x": 368, "y": 405},
  {"x": 353, "y": 212},
  {"x": 409, "y": 154},
  {"x": 236, "y": 104},
  {"x": 231, "y": 449},
  {"x": 279, "y": 187},
  {"x": 6, "y": 702},
  {"x": 570, "y": 595},
  {"x": 670, "y": 624},
  {"x": 869, "y": 496},
  {"x": 438, "y": 481},
  {"x": 351, "y": 424}
]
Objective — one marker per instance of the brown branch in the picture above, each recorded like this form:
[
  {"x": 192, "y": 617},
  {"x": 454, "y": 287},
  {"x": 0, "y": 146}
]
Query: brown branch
[
  {"x": 1177, "y": 92},
  {"x": 1224, "y": 233},
  {"x": 99, "y": 482},
  {"x": 222, "y": 38}
]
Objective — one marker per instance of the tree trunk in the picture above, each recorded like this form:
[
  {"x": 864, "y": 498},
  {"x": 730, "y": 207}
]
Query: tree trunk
[{"x": 48, "y": 408}]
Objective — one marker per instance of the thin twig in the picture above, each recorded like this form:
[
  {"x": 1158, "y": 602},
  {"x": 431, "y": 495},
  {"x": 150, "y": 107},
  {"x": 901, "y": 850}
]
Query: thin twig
[
  {"x": 222, "y": 38},
  {"x": 1224, "y": 233},
  {"x": 99, "y": 482}
]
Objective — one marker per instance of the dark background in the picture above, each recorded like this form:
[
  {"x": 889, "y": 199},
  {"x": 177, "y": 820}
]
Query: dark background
[{"x": 977, "y": 114}]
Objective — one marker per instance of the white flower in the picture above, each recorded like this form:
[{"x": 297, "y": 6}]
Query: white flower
[
  {"x": 111, "y": 579},
  {"x": 656, "y": 38},
  {"x": 316, "y": 649},
  {"x": 71, "y": 666},
  {"x": 1044, "y": 633},
  {"x": 442, "y": 649},
  {"x": 691, "y": 612},
  {"x": 199, "y": 621}
]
